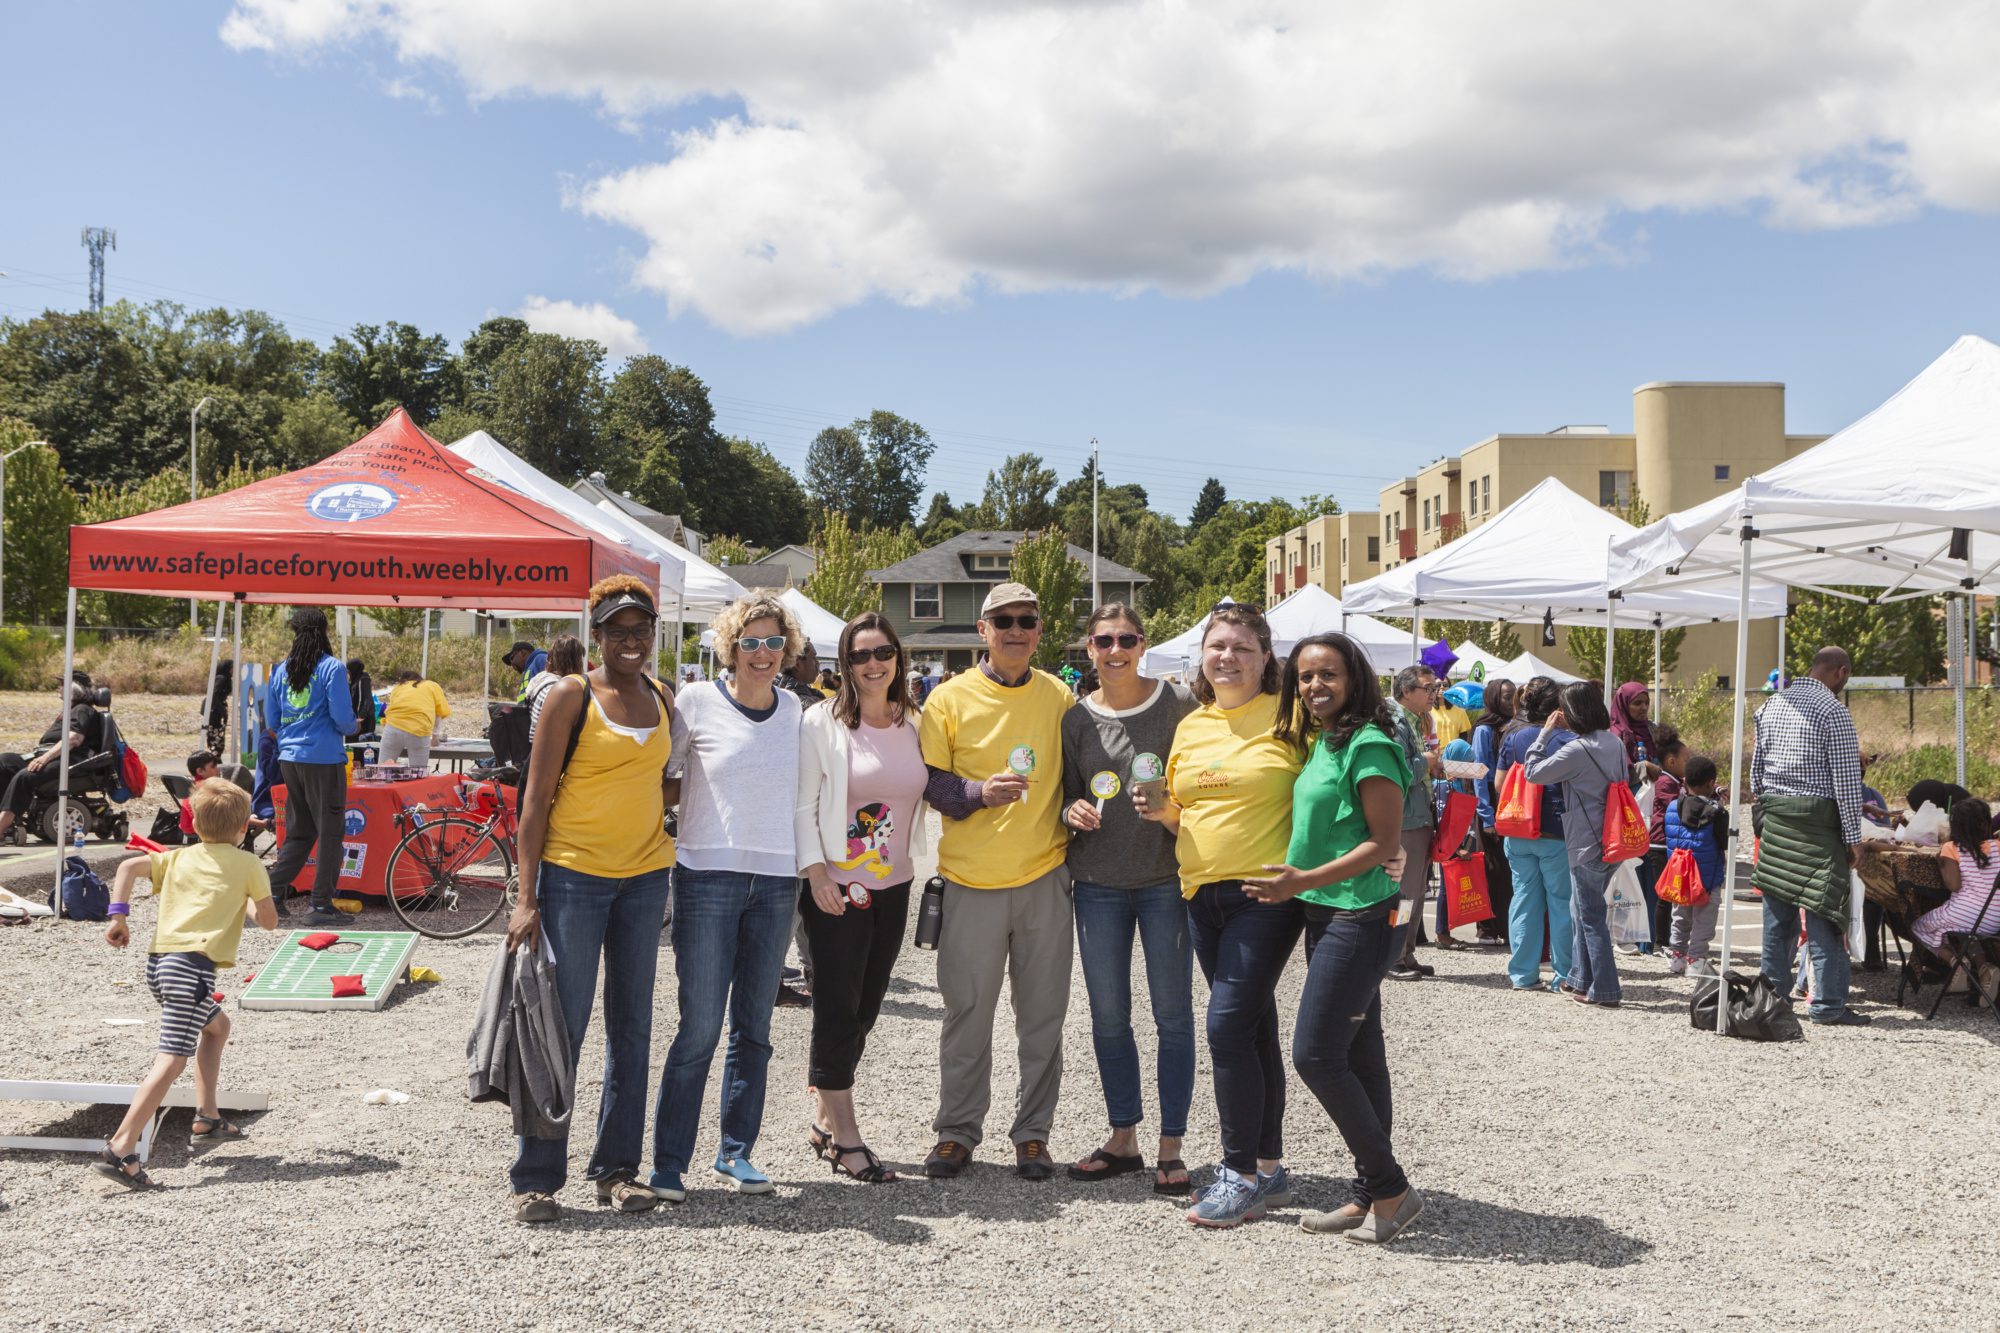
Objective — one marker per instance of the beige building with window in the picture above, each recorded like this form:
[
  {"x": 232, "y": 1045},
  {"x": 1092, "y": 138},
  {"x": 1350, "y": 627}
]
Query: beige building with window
[
  {"x": 1690, "y": 441},
  {"x": 1332, "y": 551}
]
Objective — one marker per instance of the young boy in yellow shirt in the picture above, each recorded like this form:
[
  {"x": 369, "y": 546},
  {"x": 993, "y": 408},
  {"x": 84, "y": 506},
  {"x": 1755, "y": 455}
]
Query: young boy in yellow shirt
[{"x": 205, "y": 891}]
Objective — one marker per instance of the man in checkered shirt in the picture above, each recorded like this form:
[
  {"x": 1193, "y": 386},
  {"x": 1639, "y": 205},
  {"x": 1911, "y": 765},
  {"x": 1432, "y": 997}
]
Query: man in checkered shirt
[{"x": 1806, "y": 776}]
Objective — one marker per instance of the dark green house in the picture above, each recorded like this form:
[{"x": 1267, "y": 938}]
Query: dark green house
[{"x": 933, "y": 597}]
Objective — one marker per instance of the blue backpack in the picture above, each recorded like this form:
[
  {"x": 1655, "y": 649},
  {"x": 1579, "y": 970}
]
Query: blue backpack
[{"x": 84, "y": 897}]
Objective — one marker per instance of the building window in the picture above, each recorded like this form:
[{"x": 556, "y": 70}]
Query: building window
[
  {"x": 1486, "y": 487},
  {"x": 1374, "y": 552},
  {"x": 1722, "y": 472},
  {"x": 1427, "y": 516},
  {"x": 1343, "y": 553},
  {"x": 927, "y": 601},
  {"x": 1614, "y": 488},
  {"x": 992, "y": 564}
]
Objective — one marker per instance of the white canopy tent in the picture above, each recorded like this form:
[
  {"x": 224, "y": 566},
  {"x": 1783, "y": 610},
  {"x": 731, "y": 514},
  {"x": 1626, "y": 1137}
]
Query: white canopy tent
[
  {"x": 1471, "y": 655},
  {"x": 1309, "y": 610},
  {"x": 820, "y": 626},
  {"x": 1905, "y": 500},
  {"x": 1528, "y": 666}
]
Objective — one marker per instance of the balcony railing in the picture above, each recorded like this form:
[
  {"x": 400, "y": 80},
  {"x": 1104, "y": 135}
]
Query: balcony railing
[{"x": 1406, "y": 544}]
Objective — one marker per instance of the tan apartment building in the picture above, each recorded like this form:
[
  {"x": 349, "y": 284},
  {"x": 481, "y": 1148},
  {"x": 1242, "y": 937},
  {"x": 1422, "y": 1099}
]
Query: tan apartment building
[
  {"x": 1332, "y": 551},
  {"x": 1690, "y": 441}
]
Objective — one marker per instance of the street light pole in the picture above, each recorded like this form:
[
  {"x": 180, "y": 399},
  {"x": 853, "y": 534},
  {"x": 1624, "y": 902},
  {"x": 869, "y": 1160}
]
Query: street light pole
[
  {"x": 194, "y": 493},
  {"x": 31, "y": 444},
  {"x": 1096, "y": 596}
]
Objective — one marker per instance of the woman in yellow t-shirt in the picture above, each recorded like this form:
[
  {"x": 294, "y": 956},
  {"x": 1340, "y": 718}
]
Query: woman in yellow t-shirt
[
  {"x": 1229, "y": 794},
  {"x": 416, "y": 706},
  {"x": 593, "y": 883}
]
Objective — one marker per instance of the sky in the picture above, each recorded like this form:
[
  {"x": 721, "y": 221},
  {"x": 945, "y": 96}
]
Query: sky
[{"x": 1300, "y": 247}]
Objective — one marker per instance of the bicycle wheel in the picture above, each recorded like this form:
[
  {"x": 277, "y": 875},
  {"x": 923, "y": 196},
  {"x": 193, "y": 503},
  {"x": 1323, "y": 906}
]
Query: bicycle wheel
[{"x": 450, "y": 876}]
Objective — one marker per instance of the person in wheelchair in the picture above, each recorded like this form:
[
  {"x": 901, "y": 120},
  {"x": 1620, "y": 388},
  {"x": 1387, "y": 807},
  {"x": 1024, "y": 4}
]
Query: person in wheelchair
[{"x": 26, "y": 777}]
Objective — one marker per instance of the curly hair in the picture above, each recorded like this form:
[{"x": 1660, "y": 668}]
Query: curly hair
[
  {"x": 617, "y": 585},
  {"x": 729, "y": 625}
]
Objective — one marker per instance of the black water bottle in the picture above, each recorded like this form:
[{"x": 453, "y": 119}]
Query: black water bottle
[{"x": 930, "y": 914}]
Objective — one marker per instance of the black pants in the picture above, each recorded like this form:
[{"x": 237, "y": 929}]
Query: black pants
[
  {"x": 1243, "y": 946},
  {"x": 1337, "y": 1044},
  {"x": 22, "y": 784},
  {"x": 852, "y": 955},
  {"x": 315, "y": 814}
]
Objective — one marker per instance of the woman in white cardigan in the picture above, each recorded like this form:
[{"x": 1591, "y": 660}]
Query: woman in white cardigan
[{"x": 860, "y": 820}]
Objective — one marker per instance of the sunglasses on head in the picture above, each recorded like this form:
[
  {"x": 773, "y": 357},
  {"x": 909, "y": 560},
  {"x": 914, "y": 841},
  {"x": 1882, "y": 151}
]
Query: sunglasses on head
[
  {"x": 881, "y": 653},
  {"x": 1026, "y": 620},
  {"x": 773, "y": 642},
  {"x": 1103, "y": 642}
]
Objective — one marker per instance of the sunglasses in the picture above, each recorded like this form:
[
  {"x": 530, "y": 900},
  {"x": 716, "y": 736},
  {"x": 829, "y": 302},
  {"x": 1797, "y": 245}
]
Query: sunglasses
[
  {"x": 1027, "y": 620},
  {"x": 880, "y": 653},
  {"x": 1103, "y": 642},
  {"x": 773, "y": 642},
  {"x": 628, "y": 633}
]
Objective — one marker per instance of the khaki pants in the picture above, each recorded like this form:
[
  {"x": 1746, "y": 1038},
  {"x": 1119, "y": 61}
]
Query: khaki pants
[
  {"x": 1027, "y": 933},
  {"x": 1416, "y": 883}
]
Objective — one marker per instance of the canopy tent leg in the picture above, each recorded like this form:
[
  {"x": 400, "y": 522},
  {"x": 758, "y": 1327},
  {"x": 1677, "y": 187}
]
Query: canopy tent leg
[
  {"x": 1737, "y": 777},
  {"x": 424, "y": 664},
  {"x": 1610, "y": 630},
  {"x": 345, "y": 619},
  {"x": 214, "y": 656},
  {"x": 1417, "y": 633},
  {"x": 236, "y": 682},
  {"x": 1658, "y": 634},
  {"x": 1960, "y": 639},
  {"x": 62, "y": 761},
  {"x": 1784, "y": 642},
  {"x": 486, "y": 667}
]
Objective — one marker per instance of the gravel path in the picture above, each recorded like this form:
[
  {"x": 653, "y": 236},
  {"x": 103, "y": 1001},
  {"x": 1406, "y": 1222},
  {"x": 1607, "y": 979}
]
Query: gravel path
[{"x": 1583, "y": 1168}]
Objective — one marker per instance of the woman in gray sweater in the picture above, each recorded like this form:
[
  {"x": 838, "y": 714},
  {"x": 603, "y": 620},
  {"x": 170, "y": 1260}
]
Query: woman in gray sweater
[
  {"x": 1125, "y": 879},
  {"x": 1586, "y": 767}
]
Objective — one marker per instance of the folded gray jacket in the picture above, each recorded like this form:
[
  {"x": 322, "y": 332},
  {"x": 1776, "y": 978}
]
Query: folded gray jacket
[{"x": 518, "y": 1052}]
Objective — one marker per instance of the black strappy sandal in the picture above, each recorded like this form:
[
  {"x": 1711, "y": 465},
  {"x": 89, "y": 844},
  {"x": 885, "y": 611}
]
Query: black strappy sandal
[
  {"x": 218, "y": 1131},
  {"x": 820, "y": 1139},
  {"x": 873, "y": 1174},
  {"x": 110, "y": 1164}
]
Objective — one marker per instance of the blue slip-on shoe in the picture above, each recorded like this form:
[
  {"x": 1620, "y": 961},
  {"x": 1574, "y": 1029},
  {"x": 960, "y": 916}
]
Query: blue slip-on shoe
[
  {"x": 1230, "y": 1200},
  {"x": 1276, "y": 1188},
  {"x": 667, "y": 1184},
  {"x": 746, "y": 1178}
]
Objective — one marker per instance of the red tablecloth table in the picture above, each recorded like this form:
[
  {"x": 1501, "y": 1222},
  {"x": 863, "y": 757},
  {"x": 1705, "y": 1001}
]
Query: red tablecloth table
[{"x": 371, "y": 833}]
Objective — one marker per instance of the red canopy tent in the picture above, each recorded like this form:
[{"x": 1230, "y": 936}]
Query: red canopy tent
[{"x": 393, "y": 518}]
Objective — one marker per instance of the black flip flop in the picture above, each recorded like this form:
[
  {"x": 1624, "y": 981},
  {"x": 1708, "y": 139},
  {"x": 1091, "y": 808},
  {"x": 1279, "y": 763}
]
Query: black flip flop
[
  {"x": 1173, "y": 1188},
  {"x": 1114, "y": 1165}
]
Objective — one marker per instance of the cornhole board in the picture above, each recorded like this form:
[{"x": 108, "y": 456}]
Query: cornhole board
[
  {"x": 296, "y": 977},
  {"x": 111, "y": 1094}
]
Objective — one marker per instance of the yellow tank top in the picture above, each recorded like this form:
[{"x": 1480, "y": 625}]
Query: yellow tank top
[{"x": 609, "y": 816}]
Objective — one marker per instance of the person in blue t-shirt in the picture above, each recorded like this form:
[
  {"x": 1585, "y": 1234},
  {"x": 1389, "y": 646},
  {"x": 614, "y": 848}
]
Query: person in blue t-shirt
[
  {"x": 527, "y": 659},
  {"x": 308, "y": 707}
]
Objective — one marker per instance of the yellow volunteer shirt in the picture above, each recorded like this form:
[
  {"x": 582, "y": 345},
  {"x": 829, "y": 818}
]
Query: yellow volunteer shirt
[
  {"x": 415, "y": 707},
  {"x": 203, "y": 890},
  {"x": 1451, "y": 723},
  {"x": 1233, "y": 782},
  {"x": 975, "y": 728}
]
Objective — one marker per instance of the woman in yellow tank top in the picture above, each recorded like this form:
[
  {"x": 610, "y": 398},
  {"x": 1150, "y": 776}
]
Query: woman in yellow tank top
[{"x": 594, "y": 861}]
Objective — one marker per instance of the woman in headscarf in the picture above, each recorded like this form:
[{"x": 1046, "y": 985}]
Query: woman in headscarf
[{"x": 1632, "y": 719}]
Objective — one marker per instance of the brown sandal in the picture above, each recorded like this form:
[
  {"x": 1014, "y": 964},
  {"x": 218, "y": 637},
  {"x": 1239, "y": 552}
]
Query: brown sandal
[
  {"x": 111, "y": 1165},
  {"x": 1172, "y": 1188}
]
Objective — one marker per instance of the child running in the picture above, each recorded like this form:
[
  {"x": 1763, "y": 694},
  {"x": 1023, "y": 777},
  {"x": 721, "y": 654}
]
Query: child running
[
  {"x": 205, "y": 891},
  {"x": 1698, "y": 822}
]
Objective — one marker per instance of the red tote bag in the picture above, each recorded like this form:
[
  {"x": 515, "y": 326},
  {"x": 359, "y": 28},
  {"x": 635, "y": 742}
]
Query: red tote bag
[
  {"x": 1519, "y": 814},
  {"x": 1460, "y": 809},
  {"x": 1465, "y": 897},
  {"x": 1626, "y": 837}
]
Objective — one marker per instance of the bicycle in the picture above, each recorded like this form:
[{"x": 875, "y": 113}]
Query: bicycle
[{"x": 452, "y": 871}]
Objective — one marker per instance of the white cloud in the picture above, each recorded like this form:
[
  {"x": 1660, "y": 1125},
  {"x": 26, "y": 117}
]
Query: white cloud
[
  {"x": 920, "y": 152},
  {"x": 619, "y": 336}
]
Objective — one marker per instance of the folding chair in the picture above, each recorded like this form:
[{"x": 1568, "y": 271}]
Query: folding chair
[{"x": 1968, "y": 949}]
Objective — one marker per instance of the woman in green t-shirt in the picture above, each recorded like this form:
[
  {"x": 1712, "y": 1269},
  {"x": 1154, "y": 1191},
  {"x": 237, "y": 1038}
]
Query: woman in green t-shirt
[{"x": 1347, "y": 815}]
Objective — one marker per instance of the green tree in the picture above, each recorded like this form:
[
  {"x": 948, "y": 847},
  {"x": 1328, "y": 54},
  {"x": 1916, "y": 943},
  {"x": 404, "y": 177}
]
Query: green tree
[
  {"x": 313, "y": 428},
  {"x": 162, "y": 490},
  {"x": 658, "y": 422},
  {"x": 40, "y": 509},
  {"x": 752, "y": 494},
  {"x": 658, "y": 484},
  {"x": 1904, "y": 639},
  {"x": 456, "y": 422},
  {"x": 1042, "y": 561},
  {"x": 941, "y": 522},
  {"x": 1632, "y": 653},
  {"x": 1208, "y": 504},
  {"x": 726, "y": 550},
  {"x": 838, "y": 476},
  {"x": 88, "y": 390},
  {"x": 1017, "y": 493},
  {"x": 544, "y": 402},
  {"x": 899, "y": 452},
  {"x": 846, "y": 553},
  {"x": 395, "y": 620},
  {"x": 381, "y": 367},
  {"x": 479, "y": 359}
]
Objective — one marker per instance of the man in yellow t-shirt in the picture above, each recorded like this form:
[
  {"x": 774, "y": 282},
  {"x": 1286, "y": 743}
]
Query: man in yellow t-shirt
[
  {"x": 416, "y": 706},
  {"x": 992, "y": 740}
]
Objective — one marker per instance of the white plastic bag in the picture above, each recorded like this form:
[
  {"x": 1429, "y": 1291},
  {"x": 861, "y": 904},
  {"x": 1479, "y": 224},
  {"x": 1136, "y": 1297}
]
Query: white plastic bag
[
  {"x": 1625, "y": 906},
  {"x": 1857, "y": 930},
  {"x": 1927, "y": 826}
]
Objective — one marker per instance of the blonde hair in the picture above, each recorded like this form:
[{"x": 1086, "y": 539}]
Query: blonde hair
[
  {"x": 729, "y": 625},
  {"x": 221, "y": 810}
]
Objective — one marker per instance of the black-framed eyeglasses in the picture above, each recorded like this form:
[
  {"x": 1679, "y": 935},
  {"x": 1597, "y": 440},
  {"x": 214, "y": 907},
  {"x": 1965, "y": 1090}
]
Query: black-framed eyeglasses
[
  {"x": 884, "y": 652},
  {"x": 1103, "y": 642},
  {"x": 642, "y": 633},
  {"x": 773, "y": 642},
  {"x": 1026, "y": 620}
]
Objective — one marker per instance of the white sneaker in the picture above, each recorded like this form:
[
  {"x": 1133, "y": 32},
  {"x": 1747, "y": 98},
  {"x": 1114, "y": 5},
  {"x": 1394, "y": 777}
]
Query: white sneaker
[{"x": 1701, "y": 967}]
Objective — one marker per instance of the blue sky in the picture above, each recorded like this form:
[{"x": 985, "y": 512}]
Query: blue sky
[{"x": 303, "y": 184}]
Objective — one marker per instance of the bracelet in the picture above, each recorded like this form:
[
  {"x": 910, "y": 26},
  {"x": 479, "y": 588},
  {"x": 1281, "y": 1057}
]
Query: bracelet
[{"x": 119, "y": 909}]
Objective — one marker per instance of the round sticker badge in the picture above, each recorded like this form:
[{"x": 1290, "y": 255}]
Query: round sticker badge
[
  {"x": 1021, "y": 760},
  {"x": 1103, "y": 786},
  {"x": 1147, "y": 768},
  {"x": 858, "y": 895}
]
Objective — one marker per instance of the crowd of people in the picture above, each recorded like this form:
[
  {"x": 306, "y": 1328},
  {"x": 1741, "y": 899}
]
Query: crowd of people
[{"x": 1268, "y": 803}]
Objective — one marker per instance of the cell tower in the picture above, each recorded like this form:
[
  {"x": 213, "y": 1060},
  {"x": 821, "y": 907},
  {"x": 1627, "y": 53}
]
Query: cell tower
[{"x": 97, "y": 240}]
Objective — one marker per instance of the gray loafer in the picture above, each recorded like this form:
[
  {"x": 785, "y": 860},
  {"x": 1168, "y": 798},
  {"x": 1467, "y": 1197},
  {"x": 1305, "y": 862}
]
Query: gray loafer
[
  {"x": 1375, "y": 1231},
  {"x": 1328, "y": 1223}
]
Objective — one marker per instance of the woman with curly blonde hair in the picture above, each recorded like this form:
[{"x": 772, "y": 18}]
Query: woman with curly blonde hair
[
  {"x": 735, "y": 889},
  {"x": 593, "y": 883}
]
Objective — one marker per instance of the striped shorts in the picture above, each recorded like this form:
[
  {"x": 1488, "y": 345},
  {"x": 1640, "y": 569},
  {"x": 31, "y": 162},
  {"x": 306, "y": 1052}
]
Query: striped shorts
[{"x": 184, "y": 984}]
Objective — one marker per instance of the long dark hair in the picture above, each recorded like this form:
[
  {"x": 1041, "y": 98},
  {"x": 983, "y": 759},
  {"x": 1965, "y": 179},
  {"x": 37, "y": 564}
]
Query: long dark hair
[
  {"x": 309, "y": 645},
  {"x": 1365, "y": 703},
  {"x": 1972, "y": 828},
  {"x": 1583, "y": 708},
  {"x": 1248, "y": 617},
  {"x": 846, "y": 701},
  {"x": 1498, "y": 706}
]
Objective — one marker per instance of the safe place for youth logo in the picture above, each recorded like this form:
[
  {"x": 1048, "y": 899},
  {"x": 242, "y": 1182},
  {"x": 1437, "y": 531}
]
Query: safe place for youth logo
[{"x": 351, "y": 502}]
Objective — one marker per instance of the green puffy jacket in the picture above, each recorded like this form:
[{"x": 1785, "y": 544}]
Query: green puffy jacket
[{"x": 1802, "y": 857}]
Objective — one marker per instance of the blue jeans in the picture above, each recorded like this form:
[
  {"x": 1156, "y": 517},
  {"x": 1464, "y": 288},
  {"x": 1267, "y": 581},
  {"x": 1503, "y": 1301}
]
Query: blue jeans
[
  {"x": 1541, "y": 897},
  {"x": 1243, "y": 946},
  {"x": 584, "y": 916},
  {"x": 1594, "y": 969},
  {"x": 730, "y": 932},
  {"x": 1826, "y": 952},
  {"x": 1105, "y": 921},
  {"x": 1337, "y": 1045}
]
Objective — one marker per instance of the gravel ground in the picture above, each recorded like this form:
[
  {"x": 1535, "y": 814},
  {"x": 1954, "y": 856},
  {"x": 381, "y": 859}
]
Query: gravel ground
[{"x": 1584, "y": 1168}]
